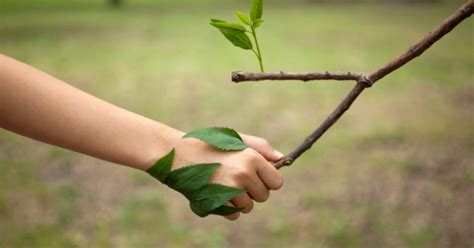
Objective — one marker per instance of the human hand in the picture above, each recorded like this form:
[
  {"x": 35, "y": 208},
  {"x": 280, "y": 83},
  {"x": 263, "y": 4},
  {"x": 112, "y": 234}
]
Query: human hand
[{"x": 249, "y": 169}]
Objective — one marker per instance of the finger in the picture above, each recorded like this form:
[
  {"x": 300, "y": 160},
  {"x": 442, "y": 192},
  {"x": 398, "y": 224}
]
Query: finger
[
  {"x": 233, "y": 216},
  {"x": 257, "y": 189},
  {"x": 269, "y": 175},
  {"x": 263, "y": 147},
  {"x": 243, "y": 201}
]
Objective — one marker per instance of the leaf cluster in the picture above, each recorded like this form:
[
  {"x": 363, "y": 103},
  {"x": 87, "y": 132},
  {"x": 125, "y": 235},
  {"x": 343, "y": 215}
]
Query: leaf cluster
[
  {"x": 237, "y": 33},
  {"x": 193, "y": 181}
]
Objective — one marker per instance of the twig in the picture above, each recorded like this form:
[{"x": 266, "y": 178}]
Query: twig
[
  {"x": 239, "y": 76},
  {"x": 363, "y": 81}
]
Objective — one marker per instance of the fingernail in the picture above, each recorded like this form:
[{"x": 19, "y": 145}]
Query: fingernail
[{"x": 278, "y": 154}]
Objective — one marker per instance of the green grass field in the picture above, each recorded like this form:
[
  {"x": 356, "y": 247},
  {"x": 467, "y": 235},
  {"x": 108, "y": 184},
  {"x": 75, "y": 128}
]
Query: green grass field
[{"x": 396, "y": 171}]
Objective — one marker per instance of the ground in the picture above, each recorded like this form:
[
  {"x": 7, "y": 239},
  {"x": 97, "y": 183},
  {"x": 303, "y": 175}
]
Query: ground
[{"x": 396, "y": 171}]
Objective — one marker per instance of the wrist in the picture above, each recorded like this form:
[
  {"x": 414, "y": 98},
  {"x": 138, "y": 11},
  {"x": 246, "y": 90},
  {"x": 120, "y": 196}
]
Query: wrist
[{"x": 164, "y": 139}]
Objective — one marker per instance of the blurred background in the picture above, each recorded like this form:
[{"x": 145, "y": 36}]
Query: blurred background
[{"x": 396, "y": 171}]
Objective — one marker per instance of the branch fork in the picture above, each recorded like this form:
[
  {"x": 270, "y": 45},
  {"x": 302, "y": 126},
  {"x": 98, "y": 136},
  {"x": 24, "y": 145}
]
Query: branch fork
[{"x": 362, "y": 80}]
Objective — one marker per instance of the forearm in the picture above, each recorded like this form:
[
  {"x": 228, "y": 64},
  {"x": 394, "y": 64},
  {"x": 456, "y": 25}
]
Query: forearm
[{"x": 37, "y": 105}]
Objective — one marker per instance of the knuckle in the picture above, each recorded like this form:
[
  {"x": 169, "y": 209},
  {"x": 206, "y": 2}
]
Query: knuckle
[
  {"x": 251, "y": 156},
  {"x": 264, "y": 143},
  {"x": 243, "y": 174},
  {"x": 250, "y": 152}
]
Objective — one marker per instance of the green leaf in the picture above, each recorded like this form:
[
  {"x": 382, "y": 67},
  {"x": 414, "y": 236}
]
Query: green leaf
[
  {"x": 222, "y": 138},
  {"x": 239, "y": 40},
  {"x": 235, "y": 33},
  {"x": 191, "y": 178},
  {"x": 221, "y": 210},
  {"x": 212, "y": 196},
  {"x": 256, "y": 10},
  {"x": 257, "y": 23},
  {"x": 243, "y": 18},
  {"x": 227, "y": 27},
  {"x": 199, "y": 212},
  {"x": 225, "y": 210},
  {"x": 216, "y": 20},
  {"x": 161, "y": 169}
]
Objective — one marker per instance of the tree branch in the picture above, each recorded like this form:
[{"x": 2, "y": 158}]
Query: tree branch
[
  {"x": 416, "y": 50},
  {"x": 363, "y": 81},
  {"x": 239, "y": 76}
]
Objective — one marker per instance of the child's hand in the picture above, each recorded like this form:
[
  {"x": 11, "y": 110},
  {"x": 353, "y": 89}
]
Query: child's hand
[
  {"x": 61, "y": 115},
  {"x": 249, "y": 169}
]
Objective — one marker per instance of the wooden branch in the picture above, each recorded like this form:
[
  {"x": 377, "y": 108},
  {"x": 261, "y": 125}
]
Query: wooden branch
[
  {"x": 416, "y": 50},
  {"x": 363, "y": 81},
  {"x": 239, "y": 76}
]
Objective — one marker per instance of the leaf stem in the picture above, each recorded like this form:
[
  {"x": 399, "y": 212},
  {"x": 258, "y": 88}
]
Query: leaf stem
[
  {"x": 258, "y": 53},
  {"x": 255, "y": 52}
]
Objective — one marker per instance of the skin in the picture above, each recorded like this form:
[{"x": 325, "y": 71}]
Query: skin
[{"x": 37, "y": 105}]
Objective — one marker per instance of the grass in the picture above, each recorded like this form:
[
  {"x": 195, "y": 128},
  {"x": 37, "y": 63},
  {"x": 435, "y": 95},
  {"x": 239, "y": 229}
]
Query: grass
[{"x": 395, "y": 171}]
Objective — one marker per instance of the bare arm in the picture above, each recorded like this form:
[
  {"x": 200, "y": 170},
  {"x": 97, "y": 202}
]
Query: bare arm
[{"x": 37, "y": 105}]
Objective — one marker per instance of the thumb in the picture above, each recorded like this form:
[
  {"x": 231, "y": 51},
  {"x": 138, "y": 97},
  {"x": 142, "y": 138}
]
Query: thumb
[{"x": 263, "y": 147}]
